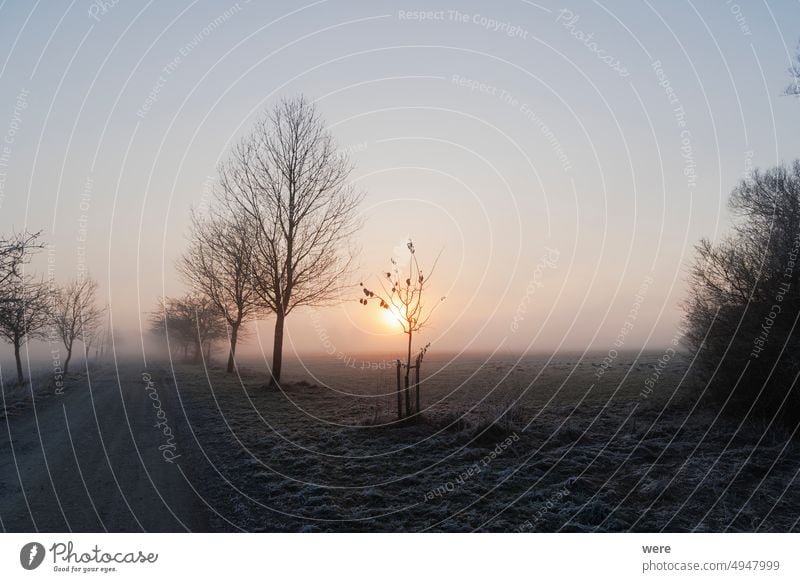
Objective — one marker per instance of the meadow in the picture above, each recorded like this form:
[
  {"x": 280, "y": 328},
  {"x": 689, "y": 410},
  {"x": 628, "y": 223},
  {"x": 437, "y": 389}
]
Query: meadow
[{"x": 504, "y": 443}]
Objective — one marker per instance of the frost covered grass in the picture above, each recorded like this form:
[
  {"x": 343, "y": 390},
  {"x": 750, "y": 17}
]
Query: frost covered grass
[
  {"x": 502, "y": 445},
  {"x": 41, "y": 389}
]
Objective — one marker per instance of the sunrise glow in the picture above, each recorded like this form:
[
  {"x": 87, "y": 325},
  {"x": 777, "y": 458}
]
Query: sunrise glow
[{"x": 391, "y": 318}]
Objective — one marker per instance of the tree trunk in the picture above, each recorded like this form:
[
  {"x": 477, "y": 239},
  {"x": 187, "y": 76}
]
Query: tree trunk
[
  {"x": 408, "y": 377},
  {"x": 66, "y": 361},
  {"x": 408, "y": 358},
  {"x": 20, "y": 377},
  {"x": 277, "y": 349},
  {"x": 416, "y": 381},
  {"x": 408, "y": 395},
  {"x": 232, "y": 352},
  {"x": 399, "y": 394}
]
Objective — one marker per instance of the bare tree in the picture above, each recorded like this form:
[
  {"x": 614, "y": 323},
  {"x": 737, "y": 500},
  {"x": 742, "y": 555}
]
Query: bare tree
[
  {"x": 744, "y": 299},
  {"x": 23, "y": 315},
  {"x": 23, "y": 302},
  {"x": 289, "y": 184},
  {"x": 15, "y": 252},
  {"x": 75, "y": 314},
  {"x": 218, "y": 264},
  {"x": 403, "y": 293},
  {"x": 190, "y": 321}
]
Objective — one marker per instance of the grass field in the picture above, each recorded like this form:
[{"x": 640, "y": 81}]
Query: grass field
[{"x": 503, "y": 444}]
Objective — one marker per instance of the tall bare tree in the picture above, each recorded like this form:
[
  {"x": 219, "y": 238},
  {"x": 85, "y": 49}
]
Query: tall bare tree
[
  {"x": 75, "y": 314},
  {"x": 404, "y": 294},
  {"x": 289, "y": 183},
  {"x": 218, "y": 264}
]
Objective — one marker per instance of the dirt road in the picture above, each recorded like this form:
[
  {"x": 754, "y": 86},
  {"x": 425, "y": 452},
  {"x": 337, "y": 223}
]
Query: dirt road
[{"x": 113, "y": 454}]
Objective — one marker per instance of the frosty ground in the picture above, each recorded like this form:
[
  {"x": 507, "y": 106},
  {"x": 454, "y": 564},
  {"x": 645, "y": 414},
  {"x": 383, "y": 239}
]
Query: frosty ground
[{"x": 504, "y": 443}]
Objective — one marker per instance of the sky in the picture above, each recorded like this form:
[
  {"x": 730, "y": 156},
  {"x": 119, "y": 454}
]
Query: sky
[{"x": 564, "y": 158}]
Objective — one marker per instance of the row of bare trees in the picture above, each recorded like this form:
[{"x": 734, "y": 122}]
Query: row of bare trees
[
  {"x": 277, "y": 235},
  {"x": 32, "y": 308}
]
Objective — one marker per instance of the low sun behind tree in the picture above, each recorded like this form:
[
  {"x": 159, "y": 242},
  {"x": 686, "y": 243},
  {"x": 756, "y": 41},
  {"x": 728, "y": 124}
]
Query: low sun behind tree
[
  {"x": 404, "y": 293},
  {"x": 288, "y": 182}
]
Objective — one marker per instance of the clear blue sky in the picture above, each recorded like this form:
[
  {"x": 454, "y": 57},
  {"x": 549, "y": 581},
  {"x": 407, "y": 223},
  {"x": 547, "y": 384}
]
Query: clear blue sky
[{"x": 494, "y": 132}]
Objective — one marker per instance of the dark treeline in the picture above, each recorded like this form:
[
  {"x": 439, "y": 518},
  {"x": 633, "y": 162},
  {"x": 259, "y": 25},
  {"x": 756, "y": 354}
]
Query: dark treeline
[{"x": 744, "y": 300}]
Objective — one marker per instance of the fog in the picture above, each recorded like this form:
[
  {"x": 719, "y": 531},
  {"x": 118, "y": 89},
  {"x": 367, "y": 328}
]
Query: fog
[{"x": 553, "y": 187}]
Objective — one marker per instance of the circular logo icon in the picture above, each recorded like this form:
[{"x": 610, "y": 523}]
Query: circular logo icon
[{"x": 31, "y": 555}]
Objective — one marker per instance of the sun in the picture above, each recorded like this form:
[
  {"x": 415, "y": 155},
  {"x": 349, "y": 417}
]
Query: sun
[{"x": 391, "y": 318}]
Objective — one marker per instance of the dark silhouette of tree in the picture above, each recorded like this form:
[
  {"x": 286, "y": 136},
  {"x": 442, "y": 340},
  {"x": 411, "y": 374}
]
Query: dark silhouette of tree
[
  {"x": 744, "y": 302},
  {"x": 75, "y": 315},
  {"x": 289, "y": 184},
  {"x": 189, "y": 321},
  {"x": 403, "y": 291},
  {"x": 23, "y": 301},
  {"x": 15, "y": 252},
  {"x": 24, "y": 315},
  {"x": 218, "y": 265}
]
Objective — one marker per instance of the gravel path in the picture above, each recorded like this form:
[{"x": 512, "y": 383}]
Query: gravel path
[{"x": 90, "y": 459}]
